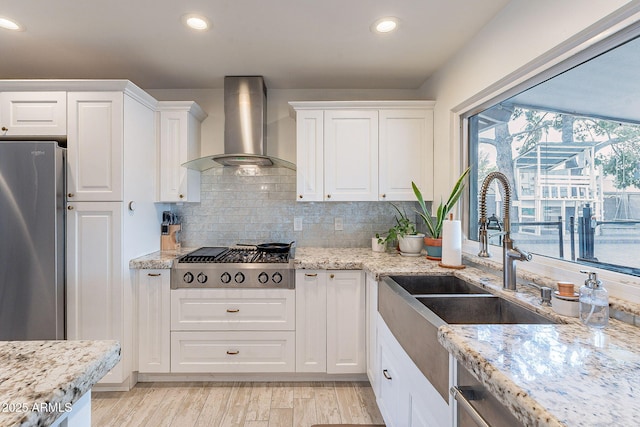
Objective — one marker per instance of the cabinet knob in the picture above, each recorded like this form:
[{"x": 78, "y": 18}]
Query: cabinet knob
[
  {"x": 69, "y": 208},
  {"x": 300, "y": 196},
  {"x": 328, "y": 196},
  {"x": 331, "y": 276},
  {"x": 70, "y": 195},
  {"x": 383, "y": 195},
  {"x": 181, "y": 196},
  {"x": 5, "y": 129}
]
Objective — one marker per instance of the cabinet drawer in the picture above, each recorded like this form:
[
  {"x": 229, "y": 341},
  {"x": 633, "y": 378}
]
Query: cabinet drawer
[
  {"x": 243, "y": 351},
  {"x": 232, "y": 309}
]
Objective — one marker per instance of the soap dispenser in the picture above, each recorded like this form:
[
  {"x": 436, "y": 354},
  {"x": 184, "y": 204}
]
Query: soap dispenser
[{"x": 594, "y": 302}]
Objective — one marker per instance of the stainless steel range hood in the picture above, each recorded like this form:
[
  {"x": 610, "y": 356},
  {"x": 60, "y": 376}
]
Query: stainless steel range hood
[{"x": 245, "y": 127}]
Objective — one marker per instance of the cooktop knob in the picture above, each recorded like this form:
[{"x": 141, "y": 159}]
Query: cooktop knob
[
  {"x": 225, "y": 278},
  {"x": 239, "y": 278},
  {"x": 277, "y": 277},
  {"x": 263, "y": 278},
  {"x": 202, "y": 278},
  {"x": 188, "y": 277}
]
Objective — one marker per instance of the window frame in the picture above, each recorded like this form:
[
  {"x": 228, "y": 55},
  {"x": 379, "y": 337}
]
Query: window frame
[{"x": 599, "y": 38}]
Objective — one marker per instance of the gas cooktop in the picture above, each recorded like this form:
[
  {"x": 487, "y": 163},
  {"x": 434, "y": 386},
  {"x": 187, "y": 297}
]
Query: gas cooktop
[
  {"x": 233, "y": 267},
  {"x": 218, "y": 254}
]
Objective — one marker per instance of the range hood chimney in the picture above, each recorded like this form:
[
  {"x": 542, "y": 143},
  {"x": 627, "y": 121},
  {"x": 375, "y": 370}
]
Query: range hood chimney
[{"x": 245, "y": 127}]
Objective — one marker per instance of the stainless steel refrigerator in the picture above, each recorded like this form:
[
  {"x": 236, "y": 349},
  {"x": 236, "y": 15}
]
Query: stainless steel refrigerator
[{"x": 32, "y": 239}]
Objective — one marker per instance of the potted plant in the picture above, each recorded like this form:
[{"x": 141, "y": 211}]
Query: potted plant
[
  {"x": 433, "y": 243},
  {"x": 410, "y": 242}
]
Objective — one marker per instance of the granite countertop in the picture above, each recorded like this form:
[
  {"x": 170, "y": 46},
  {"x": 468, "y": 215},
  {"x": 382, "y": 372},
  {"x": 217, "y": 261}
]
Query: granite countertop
[
  {"x": 554, "y": 375},
  {"x": 548, "y": 375},
  {"x": 49, "y": 374}
]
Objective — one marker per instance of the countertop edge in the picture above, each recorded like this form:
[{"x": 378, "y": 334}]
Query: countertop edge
[
  {"x": 62, "y": 394},
  {"x": 525, "y": 408}
]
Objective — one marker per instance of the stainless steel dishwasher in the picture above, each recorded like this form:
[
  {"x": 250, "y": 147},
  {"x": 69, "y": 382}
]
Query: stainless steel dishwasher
[{"x": 476, "y": 406}]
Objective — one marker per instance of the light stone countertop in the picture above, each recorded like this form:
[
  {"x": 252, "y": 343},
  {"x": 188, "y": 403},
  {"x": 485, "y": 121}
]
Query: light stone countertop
[
  {"x": 36, "y": 373},
  {"x": 548, "y": 375}
]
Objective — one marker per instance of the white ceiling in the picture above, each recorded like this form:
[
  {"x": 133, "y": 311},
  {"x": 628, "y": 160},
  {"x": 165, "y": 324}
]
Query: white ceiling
[{"x": 294, "y": 44}]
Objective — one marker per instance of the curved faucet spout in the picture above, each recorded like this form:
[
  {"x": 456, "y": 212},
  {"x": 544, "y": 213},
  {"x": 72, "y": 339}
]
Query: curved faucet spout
[{"x": 510, "y": 254}]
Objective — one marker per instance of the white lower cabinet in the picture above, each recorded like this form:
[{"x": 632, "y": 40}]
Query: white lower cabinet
[
  {"x": 154, "y": 321},
  {"x": 237, "y": 351},
  {"x": 330, "y": 313},
  {"x": 371, "y": 309},
  {"x": 405, "y": 397},
  {"x": 232, "y": 330}
]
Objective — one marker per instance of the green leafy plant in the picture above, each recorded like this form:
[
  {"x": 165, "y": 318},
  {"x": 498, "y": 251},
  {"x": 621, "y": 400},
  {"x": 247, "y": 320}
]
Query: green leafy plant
[
  {"x": 403, "y": 227},
  {"x": 434, "y": 226}
]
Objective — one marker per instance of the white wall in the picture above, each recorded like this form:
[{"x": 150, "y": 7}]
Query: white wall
[
  {"x": 518, "y": 35},
  {"x": 281, "y": 131}
]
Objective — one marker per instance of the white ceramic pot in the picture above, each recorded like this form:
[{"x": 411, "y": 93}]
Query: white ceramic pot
[
  {"x": 378, "y": 247},
  {"x": 565, "y": 306},
  {"x": 411, "y": 244}
]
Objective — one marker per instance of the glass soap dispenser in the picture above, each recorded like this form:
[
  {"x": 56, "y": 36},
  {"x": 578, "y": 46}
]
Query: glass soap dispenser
[{"x": 594, "y": 302}]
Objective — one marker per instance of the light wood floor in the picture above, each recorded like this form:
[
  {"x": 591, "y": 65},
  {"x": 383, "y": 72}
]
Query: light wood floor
[{"x": 242, "y": 404}]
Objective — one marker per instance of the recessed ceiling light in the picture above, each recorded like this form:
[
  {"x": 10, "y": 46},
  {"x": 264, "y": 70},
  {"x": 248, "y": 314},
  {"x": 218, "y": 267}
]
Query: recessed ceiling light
[
  {"x": 385, "y": 25},
  {"x": 196, "y": 22},
  {"x": 10, "y": 24}
]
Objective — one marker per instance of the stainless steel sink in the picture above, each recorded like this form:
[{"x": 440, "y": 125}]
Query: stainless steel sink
[
  {"x": 429, "y": 285},
  {"x": 481, "y": 310},
  {"x": 416, "y": 306}
]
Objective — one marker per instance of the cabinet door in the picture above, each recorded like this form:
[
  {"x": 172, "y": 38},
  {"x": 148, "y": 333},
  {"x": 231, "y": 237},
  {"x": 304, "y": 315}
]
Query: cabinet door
[
  {"x": 346, "y": 353},
  {"x": 154, "y": 335},
  {"x": 95, "y": 146},
  {"x": 310, "y": 155},
  {"x": 351, "y": 155},
  {"x": 94, "y": 275},
  {"x": 406, "y": 153},
  {"x": 33, "y": 113},
  {"x": 311, "y": 321},
  {"x": 179, "y": 143}
]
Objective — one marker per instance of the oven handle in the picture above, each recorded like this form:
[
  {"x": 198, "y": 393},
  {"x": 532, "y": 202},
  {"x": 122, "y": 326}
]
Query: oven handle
[{"x": 464, "y": 403}]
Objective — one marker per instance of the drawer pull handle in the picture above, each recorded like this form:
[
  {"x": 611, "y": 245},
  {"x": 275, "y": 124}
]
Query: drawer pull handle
[
  {"x": 386, "y": 374},
  {"x": 464, "y": 404},
  {"x": 311, "y": 274},
  {"x": 331, "y": 276},
  {"x": 233, "y": 310},
  {"x": 232, "y": 352},
  {"x": 154, "y": 274}
]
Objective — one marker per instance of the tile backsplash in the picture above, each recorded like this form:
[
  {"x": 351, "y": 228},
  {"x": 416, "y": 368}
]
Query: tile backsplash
[{"x": 258, "y": 205}]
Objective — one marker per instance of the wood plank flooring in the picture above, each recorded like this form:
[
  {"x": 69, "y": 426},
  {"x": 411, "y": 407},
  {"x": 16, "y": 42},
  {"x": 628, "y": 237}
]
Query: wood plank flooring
[{"x": 241, "y": 404}]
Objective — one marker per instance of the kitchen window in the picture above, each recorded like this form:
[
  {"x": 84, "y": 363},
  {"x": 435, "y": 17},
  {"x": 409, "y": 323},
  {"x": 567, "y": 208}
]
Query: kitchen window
[{"x": 569, "y": 144}]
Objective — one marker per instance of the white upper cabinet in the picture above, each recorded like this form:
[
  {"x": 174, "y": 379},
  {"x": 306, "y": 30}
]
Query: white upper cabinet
[
  {"x": 179, "y": 142},
  {"x": 363, "y": 150},
  {"x": 95, "y": 146},
  {"x": 405, "y": 153},
  {"x": 350, "y": 155},
  {"x": 33, "y": 113},
  {"x": 310, "y": 155}
]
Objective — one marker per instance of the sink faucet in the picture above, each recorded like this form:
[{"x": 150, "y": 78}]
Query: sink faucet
[{"x": 510, "y": 254}]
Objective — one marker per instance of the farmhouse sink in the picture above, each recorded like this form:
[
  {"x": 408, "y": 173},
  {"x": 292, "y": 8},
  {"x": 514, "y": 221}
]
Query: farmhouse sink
[
  {"x": 428, "y": 285},
  {"x": 414, "y": 307},
  {"x": 479, "y": 310}
]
